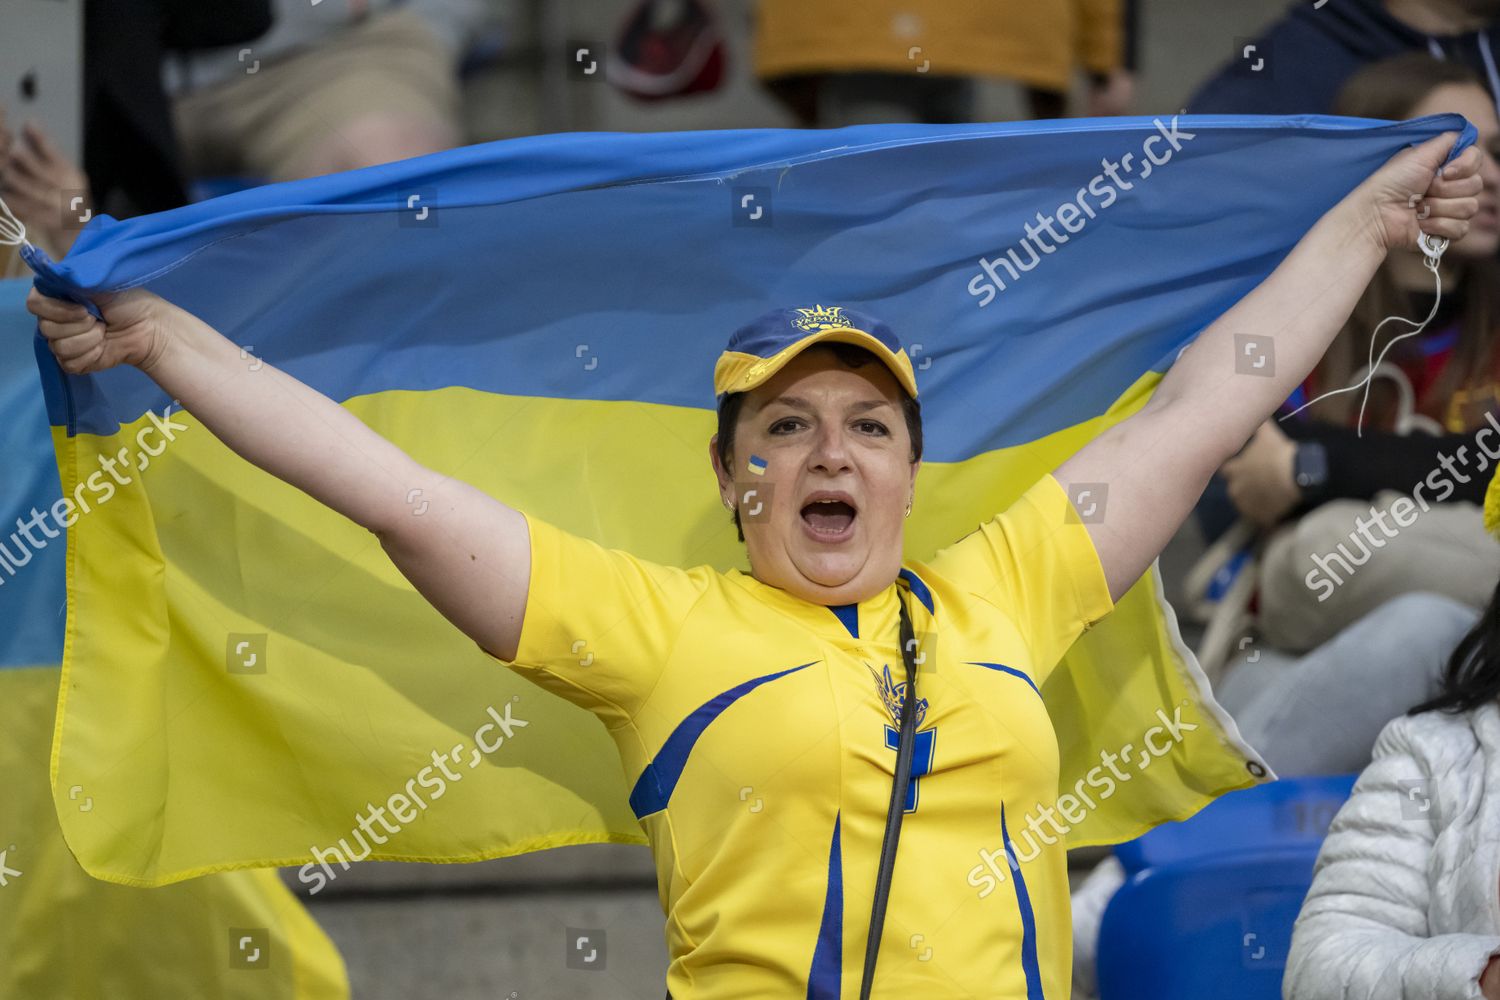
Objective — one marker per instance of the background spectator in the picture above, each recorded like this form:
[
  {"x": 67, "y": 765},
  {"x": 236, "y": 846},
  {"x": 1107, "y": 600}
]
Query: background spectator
[
  {"x": 1443, "y": 380},
  {"x": 1406, "y": 893},
  {"x": 1298, "y": 64},
  {"x": 899, "y": 60},
  {"x": 331, "y": 87}
]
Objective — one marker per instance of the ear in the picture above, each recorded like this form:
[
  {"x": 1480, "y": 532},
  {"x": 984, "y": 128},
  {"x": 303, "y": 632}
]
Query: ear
[{"x": 726, "y": 485}]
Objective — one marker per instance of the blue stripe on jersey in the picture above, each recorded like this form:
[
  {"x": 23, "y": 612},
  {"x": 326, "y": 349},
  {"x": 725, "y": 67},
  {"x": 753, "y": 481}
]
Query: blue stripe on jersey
[
  {"x": 849, "y": 615},
  {"x": 1007, "y": 670},
  {"x": 823, "y": 979},
  {"x": 654, "y": 787},
  {"x": 1028, "y": 921},
  {"x": 920, "y": 589}
]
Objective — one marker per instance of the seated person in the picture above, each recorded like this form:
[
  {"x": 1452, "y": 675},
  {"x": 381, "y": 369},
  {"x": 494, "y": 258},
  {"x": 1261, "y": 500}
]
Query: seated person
[
  {"x": 329, "y": 88},
  {"x": 1318, "y": 573},
  {"x": 1405, "y": 900}
]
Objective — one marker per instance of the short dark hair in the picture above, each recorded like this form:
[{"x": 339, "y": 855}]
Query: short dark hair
[{"x": 849, "y": 355}]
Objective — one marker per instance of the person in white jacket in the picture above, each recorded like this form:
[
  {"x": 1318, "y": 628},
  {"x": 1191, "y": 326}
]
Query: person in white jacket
[{"x": 1405, "y": 900}]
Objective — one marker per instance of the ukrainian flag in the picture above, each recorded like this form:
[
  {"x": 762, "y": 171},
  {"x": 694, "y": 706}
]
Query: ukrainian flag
[
  {"x": 246, "y": 674},
  {"x": 63, "y": 935}
]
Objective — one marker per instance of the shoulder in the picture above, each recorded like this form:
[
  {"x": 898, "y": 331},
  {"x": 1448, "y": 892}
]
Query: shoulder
[
  {"x": 1435, "y": 740},
  {"x": 1417, "y": 758},
  {"x": 580, "y": 561},
  {"x": 955, "y": 601}
]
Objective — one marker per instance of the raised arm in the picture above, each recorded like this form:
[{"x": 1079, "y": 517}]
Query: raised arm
[
  {"x": 466, "y": 552},
  {"x": 1156, "y": 463}
]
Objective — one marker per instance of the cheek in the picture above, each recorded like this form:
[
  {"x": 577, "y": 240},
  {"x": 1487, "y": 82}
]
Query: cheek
[
  {"x": 889, "y": 486},
  {"x": 753, "y": 458}
]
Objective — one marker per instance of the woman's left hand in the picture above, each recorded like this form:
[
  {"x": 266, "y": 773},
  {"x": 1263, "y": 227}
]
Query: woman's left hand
[
  {"x": 1406, "y": 198},
  {"x": 1259, "y": 479}
]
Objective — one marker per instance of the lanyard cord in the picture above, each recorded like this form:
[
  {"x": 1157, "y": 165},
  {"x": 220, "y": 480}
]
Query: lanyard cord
[{"x": 899, "y": 785}]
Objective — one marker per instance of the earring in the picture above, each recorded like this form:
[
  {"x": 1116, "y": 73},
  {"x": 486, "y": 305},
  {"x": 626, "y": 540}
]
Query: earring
[
  {"x": 908, "y": 507},
  {"x": 728, "y": 504}
]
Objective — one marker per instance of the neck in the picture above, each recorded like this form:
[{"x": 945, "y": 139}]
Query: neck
[{"x": 1434, "y": 17}]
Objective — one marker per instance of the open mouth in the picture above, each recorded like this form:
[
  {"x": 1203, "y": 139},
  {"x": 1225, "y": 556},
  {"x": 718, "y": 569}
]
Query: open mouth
[{"x": 829, "y": 517}]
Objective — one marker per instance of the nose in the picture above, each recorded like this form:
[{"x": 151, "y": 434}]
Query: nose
[{"x": 830, "y": 451}]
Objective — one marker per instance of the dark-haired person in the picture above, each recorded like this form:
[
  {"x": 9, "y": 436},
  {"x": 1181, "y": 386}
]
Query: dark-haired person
[
  {"x": 1312, "y": 476},
  {"x": 1328, "y": 670},
  {"x": 794, "y": 672},
  {"x": 1298, "y": 64},
  {"x": 1405, "y": 900}
]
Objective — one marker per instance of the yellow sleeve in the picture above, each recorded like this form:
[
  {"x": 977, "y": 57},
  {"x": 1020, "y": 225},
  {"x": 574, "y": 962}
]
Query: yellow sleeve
[
  {"x": 1036, "y": 562},
  {"x": 1100, "y": 35},
  {"x": 600, "y": 623}
]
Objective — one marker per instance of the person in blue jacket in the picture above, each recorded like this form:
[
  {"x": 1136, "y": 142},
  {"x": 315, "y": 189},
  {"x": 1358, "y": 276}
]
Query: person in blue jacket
[{"x": 1300, "y": 62}]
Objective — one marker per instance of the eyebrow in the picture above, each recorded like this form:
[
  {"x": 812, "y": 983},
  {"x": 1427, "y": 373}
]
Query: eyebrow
[{"x": 799, "y": 403}]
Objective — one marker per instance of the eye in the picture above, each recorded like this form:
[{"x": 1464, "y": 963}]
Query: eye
[
  {"x": 872, "y": 427},
  {"x": 785, "y": 425}
]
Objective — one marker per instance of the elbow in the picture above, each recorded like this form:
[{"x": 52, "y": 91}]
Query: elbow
[
  {"x": 396, "y": 536},
  {"x": 1324, "y": 958}
]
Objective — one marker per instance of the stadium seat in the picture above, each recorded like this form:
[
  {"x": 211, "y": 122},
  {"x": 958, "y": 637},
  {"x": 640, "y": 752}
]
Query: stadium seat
[
  {"x": 1292, "y": 812},
  {"x": 1216, "y": 927},
  {"x": 1208, "y": 904}
]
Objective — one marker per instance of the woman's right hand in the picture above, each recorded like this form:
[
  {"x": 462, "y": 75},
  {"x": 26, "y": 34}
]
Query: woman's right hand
[{"x": 135, "y": 330}]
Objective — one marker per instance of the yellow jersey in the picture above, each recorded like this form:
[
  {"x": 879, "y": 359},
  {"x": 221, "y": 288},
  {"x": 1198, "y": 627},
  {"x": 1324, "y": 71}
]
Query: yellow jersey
[{"x": 757, "y": 732}]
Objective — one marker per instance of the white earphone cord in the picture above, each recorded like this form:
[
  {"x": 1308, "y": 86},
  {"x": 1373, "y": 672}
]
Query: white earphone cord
[
  {"x": 12, "y": 231},
  {"x": 1432, "y": 250}
]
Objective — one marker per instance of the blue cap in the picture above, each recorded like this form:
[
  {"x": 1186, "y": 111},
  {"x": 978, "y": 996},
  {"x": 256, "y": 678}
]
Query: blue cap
[{"x": 760, "y": 349}]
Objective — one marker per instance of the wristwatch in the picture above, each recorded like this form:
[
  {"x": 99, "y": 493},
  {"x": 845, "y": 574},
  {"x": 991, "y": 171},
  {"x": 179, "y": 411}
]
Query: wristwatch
[{"x": 1310, "y": 469}]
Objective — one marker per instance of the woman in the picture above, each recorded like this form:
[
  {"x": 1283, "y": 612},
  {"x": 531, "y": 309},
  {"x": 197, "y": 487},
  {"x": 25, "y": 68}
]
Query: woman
[
  {"x": 1405, "y": 900},
  {"x": 836, "y": 64},
  {"x": 1318, "y": 471},
  {"x": 1425, "y": 588},
  {"x": 1292, "y": 691},
  {"x": 781, "y": 691}
]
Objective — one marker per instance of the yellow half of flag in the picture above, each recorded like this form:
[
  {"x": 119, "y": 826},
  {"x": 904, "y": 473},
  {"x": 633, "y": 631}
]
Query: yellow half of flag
[{"x": 273, "y": 676}]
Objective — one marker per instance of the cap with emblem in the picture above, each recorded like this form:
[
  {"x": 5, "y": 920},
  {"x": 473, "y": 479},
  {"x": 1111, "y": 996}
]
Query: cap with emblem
[{"x": 759, "y": 350}]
